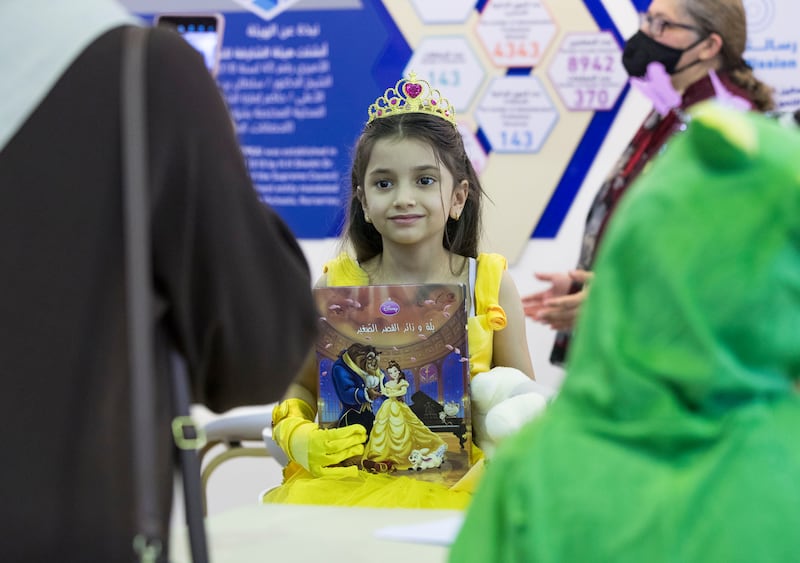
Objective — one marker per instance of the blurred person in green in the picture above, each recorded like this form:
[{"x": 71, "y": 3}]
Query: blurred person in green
[{"x": 674, "y": 437}]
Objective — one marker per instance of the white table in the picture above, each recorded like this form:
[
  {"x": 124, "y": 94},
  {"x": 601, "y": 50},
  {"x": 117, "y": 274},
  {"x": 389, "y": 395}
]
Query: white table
[{"x": 292, "y": 533}]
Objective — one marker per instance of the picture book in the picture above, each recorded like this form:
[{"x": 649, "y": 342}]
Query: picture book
[{"x": 394, "y": 358}]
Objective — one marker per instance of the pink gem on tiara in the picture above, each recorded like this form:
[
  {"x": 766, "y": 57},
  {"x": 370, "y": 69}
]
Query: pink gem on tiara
[
  {"x": 412, "y": 95},
  {"x": 413, "y": 90}
]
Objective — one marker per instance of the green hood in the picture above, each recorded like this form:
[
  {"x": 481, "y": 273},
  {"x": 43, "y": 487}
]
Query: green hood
[
  {"x": 675, "y": 435},
  {"x": 696, "y": 311}
]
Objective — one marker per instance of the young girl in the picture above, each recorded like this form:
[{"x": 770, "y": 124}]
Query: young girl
[{"x": 414, "y": 217}]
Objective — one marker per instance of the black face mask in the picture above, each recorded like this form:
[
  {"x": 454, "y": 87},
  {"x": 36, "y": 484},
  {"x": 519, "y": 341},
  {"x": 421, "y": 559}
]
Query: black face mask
[{"x": 641, "y": 50}]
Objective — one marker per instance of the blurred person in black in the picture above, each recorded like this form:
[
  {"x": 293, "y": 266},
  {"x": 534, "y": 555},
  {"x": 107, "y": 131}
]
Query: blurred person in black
[{"x": 232, "y": 287}]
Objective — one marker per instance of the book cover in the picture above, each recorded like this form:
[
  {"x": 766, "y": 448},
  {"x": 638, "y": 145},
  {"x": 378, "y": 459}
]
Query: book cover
[{"x": 394, "y": 358}]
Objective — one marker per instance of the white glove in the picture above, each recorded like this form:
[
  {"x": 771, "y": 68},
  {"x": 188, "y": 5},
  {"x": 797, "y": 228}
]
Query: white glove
[{"x": 503, "y": 400}]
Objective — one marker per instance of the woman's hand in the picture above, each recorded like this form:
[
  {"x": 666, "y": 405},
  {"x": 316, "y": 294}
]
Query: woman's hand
[{"x": 555, "y": 306}]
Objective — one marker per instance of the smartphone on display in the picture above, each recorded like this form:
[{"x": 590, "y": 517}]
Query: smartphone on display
[{"x": 201, "y": 31}]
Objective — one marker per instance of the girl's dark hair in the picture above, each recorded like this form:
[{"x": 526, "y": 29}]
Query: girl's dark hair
[{"x": 460, "y": 237}]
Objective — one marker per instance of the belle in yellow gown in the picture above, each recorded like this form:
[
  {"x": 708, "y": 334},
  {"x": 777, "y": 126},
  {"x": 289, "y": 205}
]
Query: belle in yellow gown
[{"x": 397, "y": 431}]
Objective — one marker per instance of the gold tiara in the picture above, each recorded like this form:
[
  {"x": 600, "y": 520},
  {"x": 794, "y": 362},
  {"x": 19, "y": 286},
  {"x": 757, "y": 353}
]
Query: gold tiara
[{"x": 412, "y": 95}]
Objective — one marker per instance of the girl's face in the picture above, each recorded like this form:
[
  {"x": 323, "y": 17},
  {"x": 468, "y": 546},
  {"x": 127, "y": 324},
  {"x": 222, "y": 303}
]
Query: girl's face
[
  {"x": 394, "y": 373},
  {"x": 407, "y": 194}
]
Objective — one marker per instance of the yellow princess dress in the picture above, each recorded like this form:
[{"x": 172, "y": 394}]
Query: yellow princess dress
[
  {"x": 397, "y": 431},
  {"x": 394, "y": 490}
]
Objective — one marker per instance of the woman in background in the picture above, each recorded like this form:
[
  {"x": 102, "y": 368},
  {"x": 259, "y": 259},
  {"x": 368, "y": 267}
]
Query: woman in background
[{"x": 690, "y": 39}]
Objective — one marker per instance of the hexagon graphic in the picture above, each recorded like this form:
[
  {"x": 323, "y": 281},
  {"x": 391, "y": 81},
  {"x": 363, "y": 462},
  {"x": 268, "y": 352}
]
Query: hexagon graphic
[
  {"x": 438, "y": 11},
  {"x": 516, "y": 114},
  {"x": 450, "y": 65},
  {"x": 516, "y": 34},
  {"x": 587, "y": 71}
]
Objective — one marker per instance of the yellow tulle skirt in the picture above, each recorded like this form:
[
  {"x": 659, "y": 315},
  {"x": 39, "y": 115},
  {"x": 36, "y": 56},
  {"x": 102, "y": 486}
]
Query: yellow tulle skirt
[{"x": 375, "y": 490}]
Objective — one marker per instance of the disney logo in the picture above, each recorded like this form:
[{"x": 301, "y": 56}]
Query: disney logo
[{"x": 389, "y": 308}]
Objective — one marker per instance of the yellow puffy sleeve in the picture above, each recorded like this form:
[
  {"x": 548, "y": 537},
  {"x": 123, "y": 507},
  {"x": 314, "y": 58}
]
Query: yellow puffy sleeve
[
  {"x": 344, "y": 270},
  {"x": 489, "y": 315}
]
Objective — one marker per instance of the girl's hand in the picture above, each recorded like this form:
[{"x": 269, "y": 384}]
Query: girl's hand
[{"x": 554, "y": 306}]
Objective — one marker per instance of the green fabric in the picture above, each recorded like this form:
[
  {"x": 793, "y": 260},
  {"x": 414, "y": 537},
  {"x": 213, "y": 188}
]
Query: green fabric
[{"x": 674, "y": 437}]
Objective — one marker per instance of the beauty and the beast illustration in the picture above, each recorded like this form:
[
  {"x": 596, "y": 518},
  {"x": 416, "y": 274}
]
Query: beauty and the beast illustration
[{"x": 394, "y": 359}]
